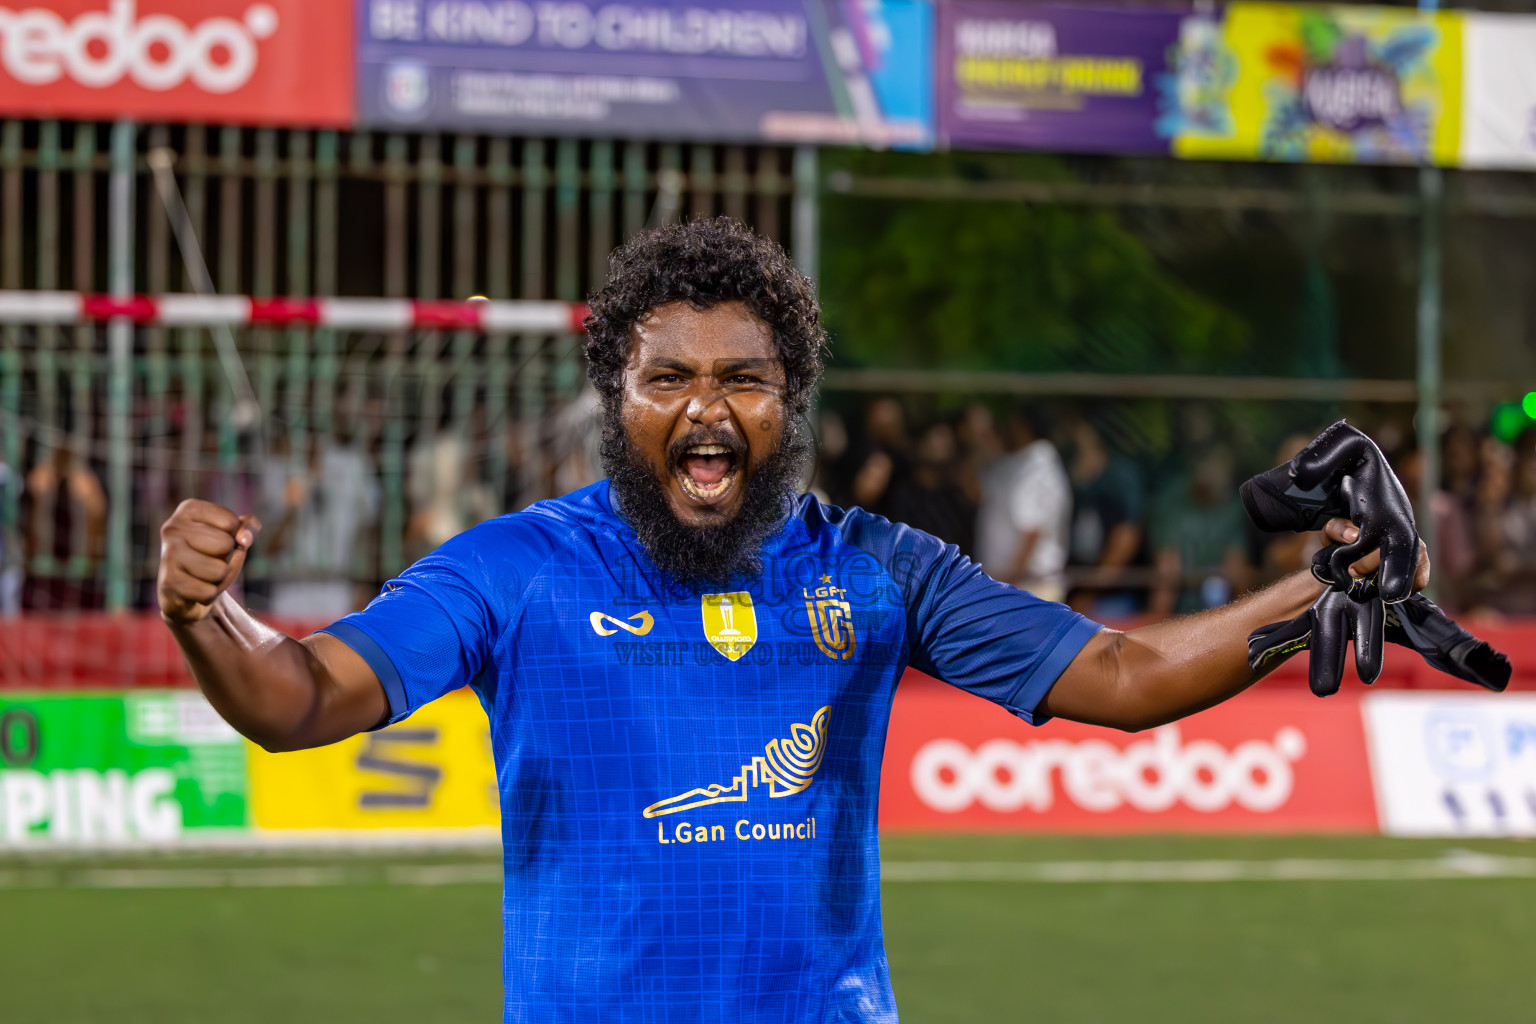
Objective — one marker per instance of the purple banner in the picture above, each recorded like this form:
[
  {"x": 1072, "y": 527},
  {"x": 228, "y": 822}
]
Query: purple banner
[
  {"x": 1036, "y": 76},
  {"x": 835, "y": 71}
]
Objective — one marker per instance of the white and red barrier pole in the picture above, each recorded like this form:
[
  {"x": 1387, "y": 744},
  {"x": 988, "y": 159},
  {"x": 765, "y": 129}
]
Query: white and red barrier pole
[{"x": 491, "y": 316}]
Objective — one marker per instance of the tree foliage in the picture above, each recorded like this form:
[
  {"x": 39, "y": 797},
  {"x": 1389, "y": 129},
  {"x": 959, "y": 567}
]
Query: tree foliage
[{"x": 1009, "y": 286}]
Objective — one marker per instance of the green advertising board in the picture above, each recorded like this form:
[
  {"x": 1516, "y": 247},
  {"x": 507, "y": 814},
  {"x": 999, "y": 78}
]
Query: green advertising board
[{"x": 154, "y": 766}]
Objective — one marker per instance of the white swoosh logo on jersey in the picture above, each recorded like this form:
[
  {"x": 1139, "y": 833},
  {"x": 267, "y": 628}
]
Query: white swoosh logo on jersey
[{"x": 598, "y": 618}]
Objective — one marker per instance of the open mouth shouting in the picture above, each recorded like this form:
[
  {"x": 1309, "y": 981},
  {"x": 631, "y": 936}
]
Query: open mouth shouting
[{"x": 707, "y": 473}]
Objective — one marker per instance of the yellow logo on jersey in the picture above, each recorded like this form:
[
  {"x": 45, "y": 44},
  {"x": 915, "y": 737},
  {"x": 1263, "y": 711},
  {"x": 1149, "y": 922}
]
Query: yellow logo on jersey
[
  {"x": 831, "y": 620},
  {"x": 730, "y": 624},
  {"x": 786, "y": 765},
  {"x": 643, "y": 618}
]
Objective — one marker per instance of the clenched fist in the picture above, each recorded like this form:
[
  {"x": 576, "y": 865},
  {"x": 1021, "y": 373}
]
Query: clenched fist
[{"x": 202, "y": 549}]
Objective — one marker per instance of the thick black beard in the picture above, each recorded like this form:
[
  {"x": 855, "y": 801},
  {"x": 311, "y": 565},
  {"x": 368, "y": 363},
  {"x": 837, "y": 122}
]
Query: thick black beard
[{"x": 703, "y": 556}]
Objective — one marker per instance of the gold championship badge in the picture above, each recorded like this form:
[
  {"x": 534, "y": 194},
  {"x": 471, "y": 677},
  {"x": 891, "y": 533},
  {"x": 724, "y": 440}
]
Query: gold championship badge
[{"x": 730, "y": 624}]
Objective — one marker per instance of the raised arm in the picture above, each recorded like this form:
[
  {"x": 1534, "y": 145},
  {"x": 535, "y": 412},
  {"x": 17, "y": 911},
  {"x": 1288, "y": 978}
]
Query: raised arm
[
  {"x": 284, "y": 694},
  {"x": 1162, "y": 672}
]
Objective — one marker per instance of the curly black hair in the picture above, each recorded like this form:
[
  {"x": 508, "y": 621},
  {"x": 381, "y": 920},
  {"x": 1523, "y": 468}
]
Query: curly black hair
[{"x": 705, "y": 263}]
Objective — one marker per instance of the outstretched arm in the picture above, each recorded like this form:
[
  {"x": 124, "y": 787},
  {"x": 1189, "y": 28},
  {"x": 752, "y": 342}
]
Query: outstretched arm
[
  {"x": 284, "y": 694},
  {"x": 1156, "y": 674}
]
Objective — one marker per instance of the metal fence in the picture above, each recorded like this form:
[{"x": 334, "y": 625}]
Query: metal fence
[{"x": 105, "y": 427}]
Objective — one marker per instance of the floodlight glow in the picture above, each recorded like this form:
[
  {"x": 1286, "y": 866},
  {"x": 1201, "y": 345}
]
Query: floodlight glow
[{"x": 1508, "y": 422}]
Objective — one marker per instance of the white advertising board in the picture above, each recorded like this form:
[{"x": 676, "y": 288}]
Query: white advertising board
[
  {"x": 1453, "y": 764},
  {"x": 1498, "y": 113}
]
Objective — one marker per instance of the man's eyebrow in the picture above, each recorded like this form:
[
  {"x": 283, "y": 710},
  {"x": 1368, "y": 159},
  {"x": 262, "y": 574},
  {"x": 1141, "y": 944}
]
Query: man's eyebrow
[
  {"x": 670, "y": 363},
  {"x": 724, "y": 366}
]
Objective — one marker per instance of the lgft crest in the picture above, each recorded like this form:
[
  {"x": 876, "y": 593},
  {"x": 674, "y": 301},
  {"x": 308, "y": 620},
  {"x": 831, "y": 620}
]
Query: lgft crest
[{"x": 831, "y": 619}]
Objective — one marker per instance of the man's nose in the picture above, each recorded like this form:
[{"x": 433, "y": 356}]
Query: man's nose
[{"x": 707, "y": 409}]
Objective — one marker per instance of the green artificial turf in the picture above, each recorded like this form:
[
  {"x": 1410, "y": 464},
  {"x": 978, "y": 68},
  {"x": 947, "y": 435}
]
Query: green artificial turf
[
  {"x": 1143, "y": 952},
  {"x": 1256, "y": 952},
  {"x": 371, "y": 954}
]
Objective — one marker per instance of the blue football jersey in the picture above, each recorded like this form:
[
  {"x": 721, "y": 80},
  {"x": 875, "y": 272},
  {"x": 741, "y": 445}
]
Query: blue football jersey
[{"x": 689, "y": 780}]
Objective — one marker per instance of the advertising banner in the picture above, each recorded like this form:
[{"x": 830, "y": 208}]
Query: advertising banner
[
  {"x": 1036, "y": 76},
  {"x": 1265, "y": 762},
  {"x": 1498, "y": 119},
  {"x": 833, "y": 71},
  {"x": 161, "y": 767},
  {"x": 1454, "y": 764},
  {"x": 286, "y": 62},
  {"x": 143, "y": 767},
  {"x": 432, "y": 771},
  {"x": 1329, "y": 84}
]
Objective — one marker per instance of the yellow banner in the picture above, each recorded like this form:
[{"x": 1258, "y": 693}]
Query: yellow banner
[
  {"x": 1327, "y": 84},
  {"x": 432, "y": 771}
]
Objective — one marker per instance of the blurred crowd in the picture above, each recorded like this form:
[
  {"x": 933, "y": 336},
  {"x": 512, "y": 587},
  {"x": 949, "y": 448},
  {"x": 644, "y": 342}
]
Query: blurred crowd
[
  {"x": 1043, "y": 500},
  {"x": 341, "y": 507},
  {"x": 1049, "y": 503}
]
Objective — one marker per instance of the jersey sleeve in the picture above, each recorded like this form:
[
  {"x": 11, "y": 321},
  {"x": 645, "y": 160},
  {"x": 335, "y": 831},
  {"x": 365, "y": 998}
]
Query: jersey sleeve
[
  {"x": 433, "y": 628},
  {"x": 968, "y": 629}
]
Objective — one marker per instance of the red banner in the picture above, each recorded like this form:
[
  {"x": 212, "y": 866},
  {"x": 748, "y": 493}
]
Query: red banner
[
  {"x": 242, "y": 61},
  {"x": 1268, "y": 761}
]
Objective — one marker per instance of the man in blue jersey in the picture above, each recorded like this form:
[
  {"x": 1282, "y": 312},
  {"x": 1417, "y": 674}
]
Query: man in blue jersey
[{"x": 688, "y": 667}]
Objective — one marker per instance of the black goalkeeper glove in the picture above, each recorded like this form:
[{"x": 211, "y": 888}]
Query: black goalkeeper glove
[
  {"x": 1417, "y": 623},
  {"x": 1326, "y": 629},
  {"x": 1420, "y": 624},
  {"x": 1342, "y": 474}
]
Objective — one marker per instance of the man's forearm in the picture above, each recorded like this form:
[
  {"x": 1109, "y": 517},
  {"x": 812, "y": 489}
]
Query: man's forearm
[
  {"x": 1177, "y": 667},
  {"x": 266, "y": 684},
  {"x": 1161, "y": 672}
]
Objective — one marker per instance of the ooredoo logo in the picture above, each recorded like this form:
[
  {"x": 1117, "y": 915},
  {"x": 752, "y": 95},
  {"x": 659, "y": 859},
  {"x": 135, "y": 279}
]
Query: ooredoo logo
[
  {"x": 156, "y": 51},
  {"x": 1149, "y": 775}
]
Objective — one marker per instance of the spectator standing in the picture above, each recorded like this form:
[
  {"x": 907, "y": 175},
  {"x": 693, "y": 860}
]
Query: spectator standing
[
  {"x": 1197, "y": 535},
  {"x": 1459, "y": 464},
  {"x": 1025, "y": 516},
  {"x": 831, "y": 447},
  {"x": 981, "y": 447},
  {"x": 883, "y": 463},
  {"x": 1455, "y": 550},
  {"x": 65, "y": 523},
  {"x": 1280, "y": 554},
  {"x": 10, "y": 553},
  {"x": 931, "y": 498},
  {"x": 1108, "y": 515},
  {"x": 324, "y": 505},
  {"x": 1513, "y": 588},
  {"x": 574, "y": 438},
  {"x": 446, "y": 492},
  {"x": 1493, "y": 556}
]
